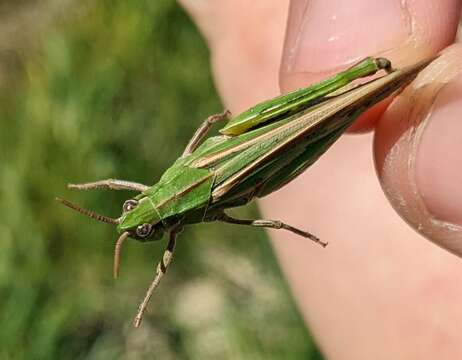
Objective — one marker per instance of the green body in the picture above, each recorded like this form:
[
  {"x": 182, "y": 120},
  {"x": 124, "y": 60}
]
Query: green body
[
  {"x": 259, "y": 151},
  {"x": 262, "y": 149}
]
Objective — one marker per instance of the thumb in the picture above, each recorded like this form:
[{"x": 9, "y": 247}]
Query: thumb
[{"x": 418, "y": 151}]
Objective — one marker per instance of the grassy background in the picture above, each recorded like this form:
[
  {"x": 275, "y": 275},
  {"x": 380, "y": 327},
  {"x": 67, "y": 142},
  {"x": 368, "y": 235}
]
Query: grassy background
[{"x": 115, "y": 89}]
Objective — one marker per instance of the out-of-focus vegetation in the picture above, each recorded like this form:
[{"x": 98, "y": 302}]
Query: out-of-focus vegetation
[{"x": 99, "y": 89}]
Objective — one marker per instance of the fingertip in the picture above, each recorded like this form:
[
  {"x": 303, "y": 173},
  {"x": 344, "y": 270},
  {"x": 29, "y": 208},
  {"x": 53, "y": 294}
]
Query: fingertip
[{"x": 417, "y": 148}]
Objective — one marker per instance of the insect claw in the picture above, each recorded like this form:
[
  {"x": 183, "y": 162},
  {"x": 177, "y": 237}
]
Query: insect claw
[{"x": 316, "y": 240}]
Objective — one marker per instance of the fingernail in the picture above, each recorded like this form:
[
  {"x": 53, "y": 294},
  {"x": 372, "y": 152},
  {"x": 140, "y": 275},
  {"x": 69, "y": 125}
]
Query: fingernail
[
  {"x": 326, "y": 35},
  {"x": 439, "y": 155}
]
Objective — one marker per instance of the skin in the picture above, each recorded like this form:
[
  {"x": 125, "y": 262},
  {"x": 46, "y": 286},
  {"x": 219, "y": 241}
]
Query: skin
[{"x": 380, "y": 290}]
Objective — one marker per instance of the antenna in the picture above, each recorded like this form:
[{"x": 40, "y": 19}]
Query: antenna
[{"x": 87, "y": 212}]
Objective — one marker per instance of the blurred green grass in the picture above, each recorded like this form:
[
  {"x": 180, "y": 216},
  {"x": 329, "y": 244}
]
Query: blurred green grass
[{"x": 115, "y": 89}]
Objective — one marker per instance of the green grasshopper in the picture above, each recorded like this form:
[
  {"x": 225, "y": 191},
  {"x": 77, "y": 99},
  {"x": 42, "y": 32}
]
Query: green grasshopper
[{"x": 257, "y": 153}]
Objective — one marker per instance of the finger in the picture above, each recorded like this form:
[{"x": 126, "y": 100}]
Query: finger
[
  {"x": 245, "y": 40},
  {"x": 418, "y": 151},
  {"x": 325, "y": 36}
]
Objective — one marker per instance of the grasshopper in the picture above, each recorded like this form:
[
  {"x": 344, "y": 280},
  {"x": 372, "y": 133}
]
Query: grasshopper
[{"x": 257, "y": 153}]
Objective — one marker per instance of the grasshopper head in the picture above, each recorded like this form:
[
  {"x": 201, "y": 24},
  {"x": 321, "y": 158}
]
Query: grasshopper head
[{"x": 140, "y": 219}]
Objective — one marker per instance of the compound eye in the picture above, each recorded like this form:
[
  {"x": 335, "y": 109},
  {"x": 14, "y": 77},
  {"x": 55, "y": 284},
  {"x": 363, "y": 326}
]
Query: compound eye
[
  {"x": 144, "y": 230},
  {"x": 129, "y": 205}
]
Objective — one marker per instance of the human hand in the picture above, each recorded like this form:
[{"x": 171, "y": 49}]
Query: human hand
[{"x": 379, "y": 289}]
